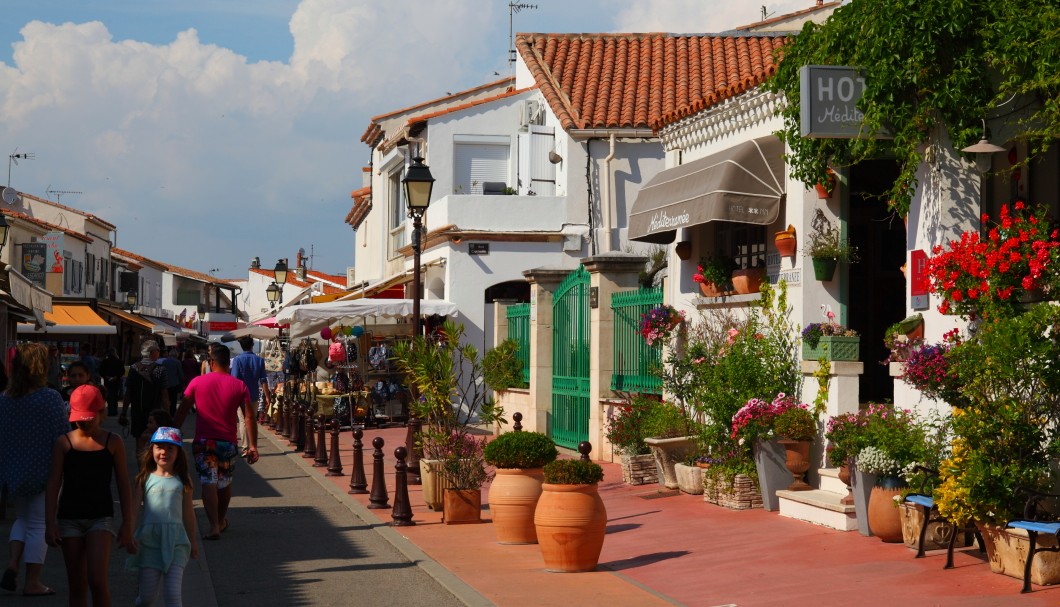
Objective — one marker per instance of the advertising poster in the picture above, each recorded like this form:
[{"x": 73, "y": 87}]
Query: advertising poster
[
  {"x": 54, "y": 240},
  {"x": 34, "y": 256}
]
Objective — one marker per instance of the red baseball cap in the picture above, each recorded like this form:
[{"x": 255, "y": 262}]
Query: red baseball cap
[{"x": 85, "y": 402}]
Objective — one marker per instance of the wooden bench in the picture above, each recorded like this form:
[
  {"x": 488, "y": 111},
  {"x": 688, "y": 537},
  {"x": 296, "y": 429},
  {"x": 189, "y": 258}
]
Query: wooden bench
[
  {"x": 930, "y": 514},
  {"x": 1036, "y": 520}
]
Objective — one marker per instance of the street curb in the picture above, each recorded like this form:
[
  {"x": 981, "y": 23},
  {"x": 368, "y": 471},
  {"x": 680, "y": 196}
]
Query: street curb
[{"x": 458, "y": 587}]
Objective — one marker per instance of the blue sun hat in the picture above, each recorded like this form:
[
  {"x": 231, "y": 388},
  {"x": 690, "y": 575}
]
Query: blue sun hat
[{"x": 169, "y": 435}]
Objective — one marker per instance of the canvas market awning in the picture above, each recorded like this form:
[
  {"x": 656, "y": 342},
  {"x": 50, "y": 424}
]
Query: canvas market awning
[
  {"x": 130, "y": 317},
  {"x": 309, "y": 318},
  {"x": 71, "y": 319},
  {"x": 743, "y": 184}
]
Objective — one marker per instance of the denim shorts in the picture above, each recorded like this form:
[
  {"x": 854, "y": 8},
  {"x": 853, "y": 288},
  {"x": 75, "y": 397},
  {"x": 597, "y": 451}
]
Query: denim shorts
[{"x": 80, "y": 527}]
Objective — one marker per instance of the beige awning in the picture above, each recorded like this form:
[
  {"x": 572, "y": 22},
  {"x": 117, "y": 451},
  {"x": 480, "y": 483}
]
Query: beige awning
[{"x": 743, "y": 184}]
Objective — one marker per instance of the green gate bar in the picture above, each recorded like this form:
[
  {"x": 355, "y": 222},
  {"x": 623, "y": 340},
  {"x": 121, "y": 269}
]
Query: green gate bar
[
  {"x": 519, "y": 331},
  {"x": 570, "y": 360},
  {"x": 635, "y": 363}
]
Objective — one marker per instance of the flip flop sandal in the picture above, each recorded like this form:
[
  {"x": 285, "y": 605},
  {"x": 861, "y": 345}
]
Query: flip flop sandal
[
  {"x": 212, "y": 536},
  {"x": 47, "y": 592},
  {"x": 9, "y": 581}
]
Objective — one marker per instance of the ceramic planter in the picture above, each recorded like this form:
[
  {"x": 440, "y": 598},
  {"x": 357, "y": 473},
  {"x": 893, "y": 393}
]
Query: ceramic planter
[
  {"x": 512, "y": 498},
  {"x": 797, "y": 461},
  {"x": 432, "y": 483},
  {"x": 770, "y": 461},
  {"x": 1007, "y": 549},
  {"x": 689, "y": 478},
  {"x": 938, "y": 533},
  {"x": 824, "y": 269},
  {"x": 884, "y": 519},
  {"x": 833, "y": 347},
  {"x": 570, "y": 520},
  {"x": 668, "y": 452},
  {"x": 462, "y": 506},
  {"x": 862, "y": 487},
  {"x": 785, "y": 242},
  {"x": 639, "y": 469},
  {"x": 748, "y": 280},
  {"x": 709, "y": 289}
]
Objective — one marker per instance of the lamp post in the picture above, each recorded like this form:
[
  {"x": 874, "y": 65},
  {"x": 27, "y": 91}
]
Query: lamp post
[
  {"x": 131, "y": 299},
  {"x": 418, "y": 183},
  {"x": 4, "y": 227},
  {"x": 272, "y": 293},
  {"x": 280, "y": 273}
]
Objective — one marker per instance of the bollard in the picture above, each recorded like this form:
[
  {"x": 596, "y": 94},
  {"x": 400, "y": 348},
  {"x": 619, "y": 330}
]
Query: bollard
[
  {"x": 379, "y": 498},
  {"x": 518, "y": 417},
  {"x": 413, "y": 449},
  {"x": 281, "y": 425},
  {"x": 585, "y": 447},
  {"x": 297, "y": 428},
  {"x": 310, "y": 444},
  {"x": 358, "y": 482},
  {"x": 401, "y": 515},
  {"x": 321, "y": 460},
  {"x": 335, "y": 462}
]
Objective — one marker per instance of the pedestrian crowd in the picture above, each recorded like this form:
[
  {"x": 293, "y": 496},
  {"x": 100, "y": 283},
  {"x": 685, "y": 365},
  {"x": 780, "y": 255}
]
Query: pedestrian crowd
[{"x": 58, "y": 465}]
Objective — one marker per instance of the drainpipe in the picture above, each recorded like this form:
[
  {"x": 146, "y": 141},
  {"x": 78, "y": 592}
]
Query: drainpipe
[
  {"x": 607, "y": 203},
  {"x": 589, "y": 193}
]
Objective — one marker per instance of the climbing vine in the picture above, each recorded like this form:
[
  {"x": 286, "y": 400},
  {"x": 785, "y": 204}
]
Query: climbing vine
[{"x": 926, "y": 62}]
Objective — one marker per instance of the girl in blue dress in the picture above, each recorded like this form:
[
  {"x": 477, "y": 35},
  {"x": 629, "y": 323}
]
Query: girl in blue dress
[{"x": 167, "y": 527}]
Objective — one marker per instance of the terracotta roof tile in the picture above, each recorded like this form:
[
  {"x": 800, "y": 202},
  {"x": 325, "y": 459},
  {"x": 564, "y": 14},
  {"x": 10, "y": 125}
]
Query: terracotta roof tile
[
  {"x": 362, "y": 203},
  {"x": 643, "y": 80}
]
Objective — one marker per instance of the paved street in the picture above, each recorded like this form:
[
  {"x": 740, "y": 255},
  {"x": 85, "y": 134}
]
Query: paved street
[{"x": 290, "y": 542}]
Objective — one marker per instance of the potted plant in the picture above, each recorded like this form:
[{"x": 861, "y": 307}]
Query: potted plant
[
  {"x": 831, "y": 341},
  {"x": 845, "y": 439},
  {"x": 884, "y": 520},
  {"x": 570, "y": 516},
  {"x": 659, "y": 323},
  {"x": 746, "y": 281},
  {"x": 901, "y": 339},
  {"x": 625, "y": 430},
  {"x": 796, "y": 428},
  {"x": 670, "y": 437},
  {"x": 518, "y": 457},
  {"x": 714, "y": 275},
  {"x": 464, "y": 472},
  {"x": 753, "y": 424},
  {"x": 827, "y": 249}
]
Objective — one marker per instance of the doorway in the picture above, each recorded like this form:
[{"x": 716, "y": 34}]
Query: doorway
[{"x": 877, "y": 283}]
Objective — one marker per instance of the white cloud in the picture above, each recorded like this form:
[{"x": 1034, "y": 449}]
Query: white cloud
[{"x": 697, "y": 16}]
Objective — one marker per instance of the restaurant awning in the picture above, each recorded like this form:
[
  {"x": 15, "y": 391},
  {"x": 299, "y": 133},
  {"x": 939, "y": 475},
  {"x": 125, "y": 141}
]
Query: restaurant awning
[
  {"x": 71, "y": 319},
  {"x": 129, "y": 317},
  {"x": 743, "y": 184}
]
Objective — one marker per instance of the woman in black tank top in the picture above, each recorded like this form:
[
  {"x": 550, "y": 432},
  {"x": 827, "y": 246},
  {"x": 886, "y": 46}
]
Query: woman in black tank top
[{"x": 79, "y": 507}]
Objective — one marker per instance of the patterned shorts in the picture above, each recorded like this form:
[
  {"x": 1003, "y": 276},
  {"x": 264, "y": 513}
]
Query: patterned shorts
[{"x": 214, "y": 461}]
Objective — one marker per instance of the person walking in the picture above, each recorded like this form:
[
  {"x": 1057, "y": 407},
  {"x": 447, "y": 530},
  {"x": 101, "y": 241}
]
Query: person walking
[
  {"x": 81, "y": 520},
  {"x": 32, "y": 416},
  {"x": 145, "y": 391},
  {"x": 174, "y": 375},
  {"x": 216, "y": 397},
  {"x": 165, "y": 536},
  {"x": 250, "y": 368},
  {"x": 111, "y": 369}
]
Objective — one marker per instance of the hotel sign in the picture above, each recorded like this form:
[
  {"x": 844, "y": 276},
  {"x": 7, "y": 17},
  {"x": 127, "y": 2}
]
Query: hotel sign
[{"x": 829, "y": 96}]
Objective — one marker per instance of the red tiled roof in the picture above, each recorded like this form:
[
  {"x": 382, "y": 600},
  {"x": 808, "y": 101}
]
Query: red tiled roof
[
  {"x": 292, "y": 279},
  {"x": 463, "y": 106},
  {"x": 643, "y": 80},
  {"x": 362, "y": 203},
  {"x": 66, "y": 208}
]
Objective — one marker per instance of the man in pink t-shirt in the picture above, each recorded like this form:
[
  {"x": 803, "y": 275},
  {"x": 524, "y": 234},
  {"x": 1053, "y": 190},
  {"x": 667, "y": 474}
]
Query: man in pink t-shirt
[{"x": 217, "y": 396}]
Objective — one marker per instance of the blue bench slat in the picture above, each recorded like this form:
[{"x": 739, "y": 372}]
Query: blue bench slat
[
  {"x": 921, "y": 500},
  {"x": 1040, "y": 527}
]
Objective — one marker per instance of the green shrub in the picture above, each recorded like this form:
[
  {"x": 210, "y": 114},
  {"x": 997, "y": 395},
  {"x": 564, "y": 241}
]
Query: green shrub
[
  {"x": 520, "y": 450},
  {"x": 796, "y": 423},
  {"x": 664, "y": 420},
  {"x": 573, "y": 472},
  {"x": 501, "y": 367}
]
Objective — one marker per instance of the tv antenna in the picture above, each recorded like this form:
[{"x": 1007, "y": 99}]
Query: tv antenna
[
  {"x": 59, "y": 194},
  {"x": 767, "y": 15},
  {"x": 513, "y": 8},
  {"x": 14, "y": 158}
]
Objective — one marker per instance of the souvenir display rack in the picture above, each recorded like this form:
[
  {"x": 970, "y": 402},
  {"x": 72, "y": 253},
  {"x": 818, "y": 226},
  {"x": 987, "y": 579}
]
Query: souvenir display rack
[{"x": 367, "y": 389}]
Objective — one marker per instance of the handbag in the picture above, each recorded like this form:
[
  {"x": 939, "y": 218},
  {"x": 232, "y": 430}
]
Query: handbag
[{"x": 336, "y": 352}]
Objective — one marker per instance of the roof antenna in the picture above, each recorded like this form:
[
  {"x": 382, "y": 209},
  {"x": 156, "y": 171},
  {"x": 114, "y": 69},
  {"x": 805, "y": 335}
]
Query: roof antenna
[
  {"x": 767, "y": 15},
  {"x": 59, "y": 194},
  {"x": 13, "y": 157},
  {"x": 514, "y": 7}
]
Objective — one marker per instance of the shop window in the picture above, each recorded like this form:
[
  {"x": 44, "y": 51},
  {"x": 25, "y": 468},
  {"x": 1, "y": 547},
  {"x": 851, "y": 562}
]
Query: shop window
[{"x": 746, "y": 244}]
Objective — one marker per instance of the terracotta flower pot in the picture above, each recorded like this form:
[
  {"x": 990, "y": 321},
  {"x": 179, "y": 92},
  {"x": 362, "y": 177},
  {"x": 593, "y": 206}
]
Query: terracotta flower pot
[
  {"x": 797, "y": 460},
  {"x": 462, "y": 506},
  {"x": 786, "y": 242},
  {"x": 884, "y": 517},
  {"x": 709, "y": 289},
  {"x": 513, "y": 497},
  {"x": 570, "y": 521},
  {"x": 748, "y": 280},
  {"x": 824, "y": 190}
]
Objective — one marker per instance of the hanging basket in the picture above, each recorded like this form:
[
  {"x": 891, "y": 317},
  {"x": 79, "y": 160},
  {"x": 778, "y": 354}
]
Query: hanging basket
[{"x": 824, "y": 269}]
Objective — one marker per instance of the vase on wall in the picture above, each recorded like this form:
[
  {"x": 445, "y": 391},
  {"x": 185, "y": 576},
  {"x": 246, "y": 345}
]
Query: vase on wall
[{"x": 785, "y": 242}]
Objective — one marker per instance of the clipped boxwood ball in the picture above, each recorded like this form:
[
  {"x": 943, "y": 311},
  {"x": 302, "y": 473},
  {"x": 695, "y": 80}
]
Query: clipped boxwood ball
[
  {"x": 573, "y": 472},
  {"x": 520, "y": 450}
]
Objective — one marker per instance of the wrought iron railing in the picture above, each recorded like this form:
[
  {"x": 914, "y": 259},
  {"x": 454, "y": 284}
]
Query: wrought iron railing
[{"x": 636, "y": 363}]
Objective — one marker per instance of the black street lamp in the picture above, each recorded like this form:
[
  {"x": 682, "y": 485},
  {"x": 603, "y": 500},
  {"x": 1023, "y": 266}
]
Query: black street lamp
[
  {"x": 131, "y": 299},
  {"x": 273, "y": 293},
  {"x": 4, "y": 227},
  {"x": 418, "y": 184},
  {"x": 280, "y": 273}
]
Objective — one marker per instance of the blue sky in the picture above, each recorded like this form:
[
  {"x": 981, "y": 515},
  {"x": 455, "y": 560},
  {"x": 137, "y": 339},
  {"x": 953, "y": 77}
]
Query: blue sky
[{"x": 214, "y": 131}]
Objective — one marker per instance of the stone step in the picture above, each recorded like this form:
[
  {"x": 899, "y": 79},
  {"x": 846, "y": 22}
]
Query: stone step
[
  {"x": 830, "y": 480},
  {"x": 819, "y": 507}
]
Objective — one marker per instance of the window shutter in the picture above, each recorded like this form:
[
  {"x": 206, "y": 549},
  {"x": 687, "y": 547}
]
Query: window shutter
[
  {"x": 477, "y": 163},
  {"x": 542, "y": 172}
]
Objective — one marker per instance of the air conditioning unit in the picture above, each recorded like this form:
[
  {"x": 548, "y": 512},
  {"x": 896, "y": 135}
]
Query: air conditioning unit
[
  {"x": 532, "y": 113},
  {"x": 351, "y": 277}
]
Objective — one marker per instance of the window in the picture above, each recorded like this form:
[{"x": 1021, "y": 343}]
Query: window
[
  {"x": 478, "y": 161},
  {"x": 396, "y": 206},
  {"x": 73, "y": 274},
  {"x": 746, "y": 244}
]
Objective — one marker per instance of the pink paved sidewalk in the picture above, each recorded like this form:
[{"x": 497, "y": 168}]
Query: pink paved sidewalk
[{"x": 682, "y": 550}]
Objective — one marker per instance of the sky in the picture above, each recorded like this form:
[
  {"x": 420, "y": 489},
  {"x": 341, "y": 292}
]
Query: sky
[{"x": 214, "y": 131}]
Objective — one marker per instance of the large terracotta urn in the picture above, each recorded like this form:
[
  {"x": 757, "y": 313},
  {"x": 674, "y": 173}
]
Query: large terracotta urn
[
  {"x": 797, "y": 461},
  {"x": 513, "y": 498},
  {"x": 571, "y": 520},
  {"x": 884, "y": 518}
]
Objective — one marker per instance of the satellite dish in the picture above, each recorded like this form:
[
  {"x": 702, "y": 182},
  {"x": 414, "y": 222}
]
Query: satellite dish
[{"x": 10, "y": 195}]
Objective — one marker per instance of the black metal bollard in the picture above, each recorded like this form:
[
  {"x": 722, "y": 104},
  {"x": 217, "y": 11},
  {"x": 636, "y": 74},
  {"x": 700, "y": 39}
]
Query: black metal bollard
[
  {"x": 411, "y": 439},
  {"x": 335, "y": 461},
  {"x": 281, "y": 425},
  {"x": 358, "y": 482},
  {"x": 298, "y": 431},
  {"x": 321, "y": 460},
  {"x": 379, "y": 498},
  {"x": 310, "y": 445},
  {"x": 401, "y": 515},
  {"x": 585, "y": 447},
  {"x": 518, "y": 418}
]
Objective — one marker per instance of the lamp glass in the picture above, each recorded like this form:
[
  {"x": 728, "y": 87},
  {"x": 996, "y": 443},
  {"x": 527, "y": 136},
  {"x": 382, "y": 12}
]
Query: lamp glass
[
  {"x": 272, "y": 293},
  {"x": 131, "y": 298},
  {"x": 281, "y": 272},
  {"x": 418, "y": 184}
]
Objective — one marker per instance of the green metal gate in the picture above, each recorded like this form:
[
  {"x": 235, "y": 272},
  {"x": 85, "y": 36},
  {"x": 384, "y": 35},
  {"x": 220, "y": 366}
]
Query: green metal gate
[{"x": 570, "y": 360}]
